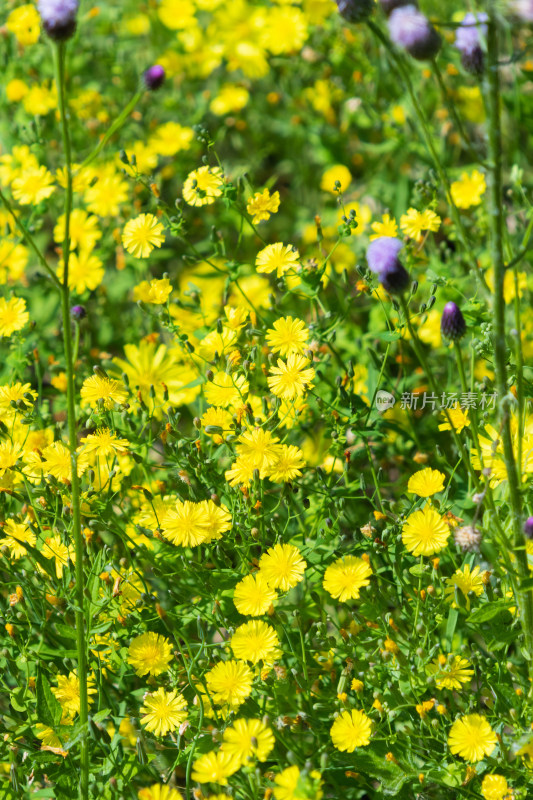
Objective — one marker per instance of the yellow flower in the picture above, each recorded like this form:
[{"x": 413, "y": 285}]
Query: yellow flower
[
  {"x": 255, "y": 641},
  {"x": 466, "y": 581},
  {"x": 170, "y": 138},
  {"x": 142, "y": 234},
  {"x": 203, "y": 186},
  {"x": 282, "y": 566},
  {"x": 260, "y": 448},
  {"x": 226, "y": 390},
  {"x": 163, "y": 711},
  {"x": 16, "y": 90},
  {"x": 451, "y": 673},
  {"x": 351, "y": 730},
  {"x": 345, "y": 577},
  {"x": 159, "y": 791},
  {"x": 253, "y": 596},
  {"x": 155, "y": 292},
  {"x": 33, "y": 185},
  {"x": 288, "y": 335},
  {"x": 262, "y": 205},
  {"x": 83, "y": 230},
  {"x": 85, "y": 271},
  {"x": 291, "y": 378},
  {"x": 20, "y": 393},
  {"x": 13, "y": 315},
  {"x": 24, "y": 23},
  {"x": 291, "y": 784},
  {"x": 9, "y": 455},
  {"x": 54, "y": 548},
  {"x": 469, "y": 190},
  {"x": 414, "y": 222},
  {"x": 458, "y": 417},
  {"x": 99, "y": 388},
  {"x": 108, "y": 193},
  {"x": 494, "y": 787},
  {"x": 159, "y": 374},
  {"x": 277, "y": 257},
  {"x": 230, "y": 99},
  {"x": 67, "y": 692},
  {"x": 284, "y": 30},
  {"x": 338, "y": 173},
  {"x": 230, "y": 682},
  {"x": 248, "y": 739},
  {"x": 15, "y": 534},
  {"x": 472, "y": 738},
  {"x": 387, "y": 227},
  {"x": 176, "y": 14},
  {"x": 425, "y": 532},
  {"x": 426, "y": 482},
  {"x": 187, "y": 524},
  {"x": 149, "y": 653},
  {"x": 215, "y": 767}
]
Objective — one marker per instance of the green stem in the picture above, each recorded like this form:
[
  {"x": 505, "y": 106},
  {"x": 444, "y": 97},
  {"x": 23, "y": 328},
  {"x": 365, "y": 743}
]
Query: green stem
[
  {"x": 450, "y": 105},
  {"x": 30, "y": 241},
  {"x": 59, "y": 70},
  {"x": 496, "y": 224},
  {"x": 118, "y": 123},
  {"x": 428, "y": 140}
]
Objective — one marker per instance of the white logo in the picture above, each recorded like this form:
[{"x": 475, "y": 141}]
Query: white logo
[{"x": 384, "y": 400}]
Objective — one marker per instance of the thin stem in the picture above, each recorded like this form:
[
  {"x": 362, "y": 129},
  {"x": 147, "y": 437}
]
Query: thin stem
[
  {"x": 81, "y": 647},
  {"x": 118, "y": 123},
  {"x": 450, "y": 105},
  {"x": 428, "y": 140},
  {"x": 496, "y": 223},
  {"x": 30, "y": 241}
]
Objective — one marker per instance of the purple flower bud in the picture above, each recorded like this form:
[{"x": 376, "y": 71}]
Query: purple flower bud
[
  {"x": 528, "y": 528},
  {"x": 382, "y": 258},
  {"x": 154, "y": 77},
  {"x": 410, "y": 29},
  {"x": 355, "y": 10},
  {"x": 395, "y": 278},
  {"x": 382, "y": 253},
  {"x": 467, "y": 41},
  {"x": 452, "y": 323},
  {"x": 388, "y": 6},
  {"x": 58, "y": 17},
  {"x": 78, "y": 312}
]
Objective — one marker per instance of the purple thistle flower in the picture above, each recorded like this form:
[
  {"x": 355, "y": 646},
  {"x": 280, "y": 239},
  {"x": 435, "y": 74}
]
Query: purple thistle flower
[
  {"x": 58, "y": 17},
  {"x": 388, "y": 6},
  {"x": 467, "y": 41},
  {"x": 382, "y": 253},
  {"x": 410, "y": 29},
  {"x": 382, "y": 258},
  {"x": 528, "y": 528},
  {"x": 452, "y": 323},
  {"x": 355, "y": 10},
  {"x": 154, "y": 77}
]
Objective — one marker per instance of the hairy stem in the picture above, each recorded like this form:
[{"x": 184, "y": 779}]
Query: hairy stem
[
  {"x": 496, "y": 223},
  {"x": 81, "y": 646}
]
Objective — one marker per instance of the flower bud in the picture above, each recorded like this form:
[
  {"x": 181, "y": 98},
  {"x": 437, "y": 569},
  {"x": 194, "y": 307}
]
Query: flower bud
[
  {"x": 528, "y": 528},
  {"x": 410, "y": 29},
  {"x": 78, "y": 312},
  {"x": 355, "y": 10},
  {"x": 154, "y": 77},
  {"x": 467, "y": 41},
  {"x": 382, "y": 258},
  {"x": 58, "y": 17},
  {"x": 452, "y": 323}
]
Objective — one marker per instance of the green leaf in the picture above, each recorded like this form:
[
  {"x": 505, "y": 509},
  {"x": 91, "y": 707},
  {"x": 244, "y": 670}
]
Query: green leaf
[
  {"x": 418, "y": 569},
  {"x": 489, "y": 611},
  {"x": 49, "y": 711}
]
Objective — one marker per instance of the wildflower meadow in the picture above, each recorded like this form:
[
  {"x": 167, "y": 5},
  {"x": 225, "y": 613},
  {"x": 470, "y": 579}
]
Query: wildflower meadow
[{"x": 266, "y": 382}]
